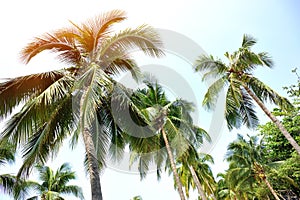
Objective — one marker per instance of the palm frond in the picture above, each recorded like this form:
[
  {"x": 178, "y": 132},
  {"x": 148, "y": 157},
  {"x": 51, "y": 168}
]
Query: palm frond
[
  {"x": 115, "y": 67},
  {"x": 102, "y": 24},
  {"x": 20, "y": 89},
  {"x": 247, "y": 111},
  {"x": 7, "y": 152},
  {"x": 92, "y": 85},
  {"x": 58, "y": 42},
  {"x": 48, "y": 137},
  {"x": 100, "y": 137},
  {"x": 247, "y": 61},
  {"x": 74, "y": 190},
  {"x": 232, "y": 106},
  {"x": 212, "y": 93},
  {"x": 265, "y": 93},
  {"x": 143, "y": 38},
  {"x": 248, "y": 41},
  {"x": 211, "y": 67},
  {"x": 7, "y": 183}
]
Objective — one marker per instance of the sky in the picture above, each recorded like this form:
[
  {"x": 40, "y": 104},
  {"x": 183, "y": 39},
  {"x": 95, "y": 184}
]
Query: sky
[{"x": 216, "y": 26}]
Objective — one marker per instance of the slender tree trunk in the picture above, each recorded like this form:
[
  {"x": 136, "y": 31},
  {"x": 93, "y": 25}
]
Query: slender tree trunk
[
  {"x": 93, "y": 166},
  {"x": 274, "y": 119},
  {"x": 197, "y": 182},
  {"x": 170, "y": 154},
  {"x": 271, "y": 188}
]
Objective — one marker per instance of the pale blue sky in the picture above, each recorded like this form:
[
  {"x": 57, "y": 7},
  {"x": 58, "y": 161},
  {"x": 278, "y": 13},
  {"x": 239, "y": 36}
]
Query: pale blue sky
[{"x": 216, "y": 25}]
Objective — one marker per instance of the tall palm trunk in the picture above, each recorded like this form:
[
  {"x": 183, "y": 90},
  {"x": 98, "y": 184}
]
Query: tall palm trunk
[
  {"x": 171, "y": 158},
  {"x": 271, "y": 188},
  {"x": 274, "y": 119},
  {"x": 197, "y": 182},
  {"x": 93, "y": 166}
]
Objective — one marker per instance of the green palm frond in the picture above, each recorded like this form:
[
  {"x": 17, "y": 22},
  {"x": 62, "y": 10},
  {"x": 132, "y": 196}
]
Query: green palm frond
[
  {"x": 20, "y": 89},
  {"x": 48, "y": 138},
  {"x": 73, "y": 190},
  {"x": 7, "y": 152},
  {"x": 212, "y": 68},
  {"x": 143, "y": 38},
  {"x": 246, "y": 61},
  {"x": 248, "y": 41},
  {"x": 247, "y": 111},
  {"x": 115, "y": 67},
  {"x": 211, "y": 96},
  {"x": 7, "y": 182},
  {"x": 232, "y": 111},
  {"x": 265, "y": 93}
]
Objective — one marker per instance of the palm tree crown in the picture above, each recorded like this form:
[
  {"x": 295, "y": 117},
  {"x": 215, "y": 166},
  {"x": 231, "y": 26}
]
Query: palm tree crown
[
  {"x": 53, "y": 184},
  {"x": 66, "y": 101},
  {"x": 242, "y": 88},
  {"x": 172, "y": 129}
]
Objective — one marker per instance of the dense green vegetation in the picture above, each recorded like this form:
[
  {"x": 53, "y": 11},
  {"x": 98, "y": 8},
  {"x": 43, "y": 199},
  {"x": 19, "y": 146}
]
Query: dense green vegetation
[{"x": 263, "y": 166}]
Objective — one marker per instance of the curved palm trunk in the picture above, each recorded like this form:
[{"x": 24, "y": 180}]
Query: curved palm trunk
[
  {"x": 274, "y": 119},
  {"x": 177, "y": 179},
  {"x": 271, "y": 189},
  {"x": 197, "y": 182}
]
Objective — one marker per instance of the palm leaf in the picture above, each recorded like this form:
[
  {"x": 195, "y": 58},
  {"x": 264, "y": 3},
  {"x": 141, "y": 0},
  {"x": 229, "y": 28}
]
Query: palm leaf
[
  {"x": 210, "y": 66},
  {"x": 49, "y": 136},
  {"x": 57, "y": 42},
  {"x": 20, "y": 89},
  {"x": 232, "y": 107},
  {"x": 212, "y": 93},
  {"x": 265, "y": 93},
  {"x": 248, "y": 41},
  {"x": 74, "y": 190},
  {"x": 247, "y": 111},
  {"x": 142, "y": 38}
]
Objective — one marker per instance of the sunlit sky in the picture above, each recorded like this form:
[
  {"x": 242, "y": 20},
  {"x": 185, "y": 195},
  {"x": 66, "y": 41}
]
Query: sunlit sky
[{"x": 216, "y": 26}]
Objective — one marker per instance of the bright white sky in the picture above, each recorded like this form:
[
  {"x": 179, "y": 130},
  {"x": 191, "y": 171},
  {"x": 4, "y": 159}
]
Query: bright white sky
[{"x": 217, "y": 26}]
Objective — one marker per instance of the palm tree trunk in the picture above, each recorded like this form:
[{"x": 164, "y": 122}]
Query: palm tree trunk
[
  {"x": 197, "y": 182},
  {"x": 274, "y": 119},
  {"x": 170, "y": 154},
  {"x": 92, "y": 165},
  {"x": 271, "y": 188}
]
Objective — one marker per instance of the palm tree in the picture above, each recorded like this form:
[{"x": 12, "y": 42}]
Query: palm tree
[
  {"x": 172, "y": 129},
  {"x": 247, "y": 164},
  {"x": 94, "y": 55},
  {"x": 54, "y": 184},
  {"x": 195, "y": 171},
  {"x": 242, "y": 87}
]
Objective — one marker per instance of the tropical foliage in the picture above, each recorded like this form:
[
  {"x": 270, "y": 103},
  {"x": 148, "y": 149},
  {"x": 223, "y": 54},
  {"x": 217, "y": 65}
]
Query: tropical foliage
[
  {"x": 242, "y": 88},
  {"x": 83, "y": 100},
  {"x": 53, "y": 184},
  {"x": 93, "y": 54},
  {"x": 173, "y": 130}
]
